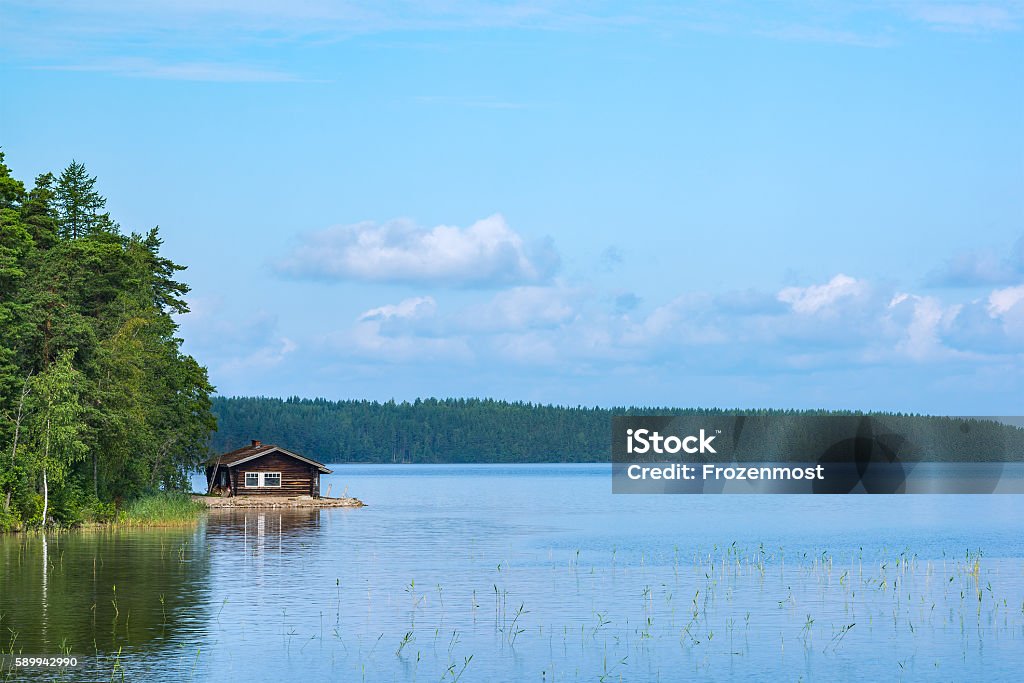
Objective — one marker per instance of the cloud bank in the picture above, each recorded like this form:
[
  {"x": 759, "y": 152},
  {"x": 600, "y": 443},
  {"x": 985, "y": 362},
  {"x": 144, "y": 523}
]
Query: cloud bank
[
  {"x": 844, "y": 322},
  {"x": 488, "y": 253}
]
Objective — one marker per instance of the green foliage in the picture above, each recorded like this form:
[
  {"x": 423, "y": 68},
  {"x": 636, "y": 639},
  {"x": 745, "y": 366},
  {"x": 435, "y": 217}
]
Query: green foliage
[
  {"x": 97, "y": 403},
  {"x": 56, "y": 417},
  {"x": 55, "y": 425},
  {"x": 9, "y": 521},
  {"x": 162, "y": 508},
  {"x": 93, "y": 510}
]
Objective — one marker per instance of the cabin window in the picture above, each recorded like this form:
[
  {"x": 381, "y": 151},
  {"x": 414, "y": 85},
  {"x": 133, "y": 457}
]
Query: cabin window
[{"x": 262, "y": 480}]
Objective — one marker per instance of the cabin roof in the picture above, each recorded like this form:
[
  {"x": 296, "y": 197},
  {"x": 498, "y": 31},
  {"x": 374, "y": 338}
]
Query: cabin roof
[{"x": 256, "y": 450}]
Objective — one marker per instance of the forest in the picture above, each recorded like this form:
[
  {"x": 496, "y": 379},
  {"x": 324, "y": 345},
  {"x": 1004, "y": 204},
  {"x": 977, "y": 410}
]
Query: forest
[
  {"x": 423, "y": 431},
  {"x": 98, "y": 405},
  {"x": 483, "y": 430}
]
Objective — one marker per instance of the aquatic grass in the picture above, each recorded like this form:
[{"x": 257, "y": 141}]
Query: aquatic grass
[
  {"x": 406, "y": 640},
  {"x": 118, "y": 668},
  {"x": 450, "y": 671},
  {"x": 164, "y": 508},
  {"x": 514, "y": 631}
]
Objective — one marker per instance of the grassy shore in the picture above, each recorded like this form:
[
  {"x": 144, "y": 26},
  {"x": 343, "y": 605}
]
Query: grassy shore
[{"x": 162, "y": 509}]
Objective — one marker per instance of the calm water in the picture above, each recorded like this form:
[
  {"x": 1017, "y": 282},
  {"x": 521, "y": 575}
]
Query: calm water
[{"x": 535, "y": 573}]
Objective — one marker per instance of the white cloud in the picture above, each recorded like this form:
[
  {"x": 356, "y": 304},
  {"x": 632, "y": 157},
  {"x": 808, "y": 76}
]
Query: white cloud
[
  {"x": 1002, "y": 301},
  {"x": 397, "y": 333},
  {"x": 522, "y": 308},
  {"x": 993, "y": 325},
  {"x": 415, "y": 308},
  {"x": 822, "y": 298},
  {"x": 920, "y": 324},
  {"x": 687, "y": 320},
  {"x": 845, "y": 322},
  {"x": 488, "y": 253}
]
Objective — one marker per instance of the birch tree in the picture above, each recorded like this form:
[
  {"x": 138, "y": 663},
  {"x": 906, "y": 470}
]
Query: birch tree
[{"x": 57, "y": 426}]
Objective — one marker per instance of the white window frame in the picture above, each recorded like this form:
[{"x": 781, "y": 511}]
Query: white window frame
[{"x": 261, "y": 480}]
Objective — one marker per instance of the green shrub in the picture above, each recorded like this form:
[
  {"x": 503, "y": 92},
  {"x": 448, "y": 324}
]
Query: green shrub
[
  {"x": 99, "y": 512},
  {"x": 9, "y": 520}
]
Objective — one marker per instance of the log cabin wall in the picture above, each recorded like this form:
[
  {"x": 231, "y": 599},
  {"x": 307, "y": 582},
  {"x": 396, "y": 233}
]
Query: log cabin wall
[
  {"x": 213, "y": 480},
  {"x": 297, "y": 477}
]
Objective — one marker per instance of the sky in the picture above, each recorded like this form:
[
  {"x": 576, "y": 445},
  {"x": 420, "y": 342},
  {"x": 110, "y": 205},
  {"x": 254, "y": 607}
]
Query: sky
[{"x": 733, "y": 204}]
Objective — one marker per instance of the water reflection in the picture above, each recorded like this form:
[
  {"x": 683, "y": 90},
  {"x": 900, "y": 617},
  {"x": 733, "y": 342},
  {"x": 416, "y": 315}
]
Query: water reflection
[
  {"x": 257, "y": 526},
  {"x": 95, "y": 593},
  {"x": 147, "y": 602},
  {"x": 245, "y": 539}
]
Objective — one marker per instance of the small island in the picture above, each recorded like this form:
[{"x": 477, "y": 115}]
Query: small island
[{"x": 267, "y": 476}]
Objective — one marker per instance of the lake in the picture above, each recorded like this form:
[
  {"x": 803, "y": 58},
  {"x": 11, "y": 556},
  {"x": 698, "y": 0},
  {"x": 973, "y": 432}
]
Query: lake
[{"x": 533, "y": 573}]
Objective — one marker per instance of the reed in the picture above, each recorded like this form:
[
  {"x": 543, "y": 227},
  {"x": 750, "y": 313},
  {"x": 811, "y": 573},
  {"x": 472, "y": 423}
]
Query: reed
[{"x": 164, "y": 508}]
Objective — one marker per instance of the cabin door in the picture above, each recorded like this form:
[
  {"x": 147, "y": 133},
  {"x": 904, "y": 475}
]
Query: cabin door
[{"x": 223, "y": 478}]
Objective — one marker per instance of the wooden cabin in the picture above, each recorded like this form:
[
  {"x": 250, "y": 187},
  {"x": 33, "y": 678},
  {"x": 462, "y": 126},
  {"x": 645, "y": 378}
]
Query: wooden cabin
[{"x": 264, "y": 470}]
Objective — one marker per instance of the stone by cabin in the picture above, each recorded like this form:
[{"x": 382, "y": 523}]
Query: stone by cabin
[{"x": 264, "y": 470}]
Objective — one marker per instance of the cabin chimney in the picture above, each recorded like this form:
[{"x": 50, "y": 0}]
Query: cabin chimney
[{"x": 256, "y": 443}]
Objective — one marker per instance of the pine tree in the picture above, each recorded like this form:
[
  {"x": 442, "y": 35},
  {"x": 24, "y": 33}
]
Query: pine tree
[{"x": 79, "y": 204}]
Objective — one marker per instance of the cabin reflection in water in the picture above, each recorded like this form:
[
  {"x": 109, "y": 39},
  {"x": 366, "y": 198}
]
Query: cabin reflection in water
[{"x": 257, "y": 529}]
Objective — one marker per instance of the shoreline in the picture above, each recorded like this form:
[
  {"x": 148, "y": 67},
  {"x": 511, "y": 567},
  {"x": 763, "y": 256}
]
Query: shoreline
[{"x": 275, "y": 502}]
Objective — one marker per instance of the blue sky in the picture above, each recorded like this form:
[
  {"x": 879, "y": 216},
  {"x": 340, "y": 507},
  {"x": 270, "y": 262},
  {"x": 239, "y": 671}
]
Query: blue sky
[{"x": 737, "y": 204}]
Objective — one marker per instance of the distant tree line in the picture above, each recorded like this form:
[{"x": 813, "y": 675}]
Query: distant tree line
[
  {"x": 424, "y": 431},
  {"x": 98, "y": 405},
  {"x": 481, "y": 430},
  {"x": 832, "y": 437}
]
